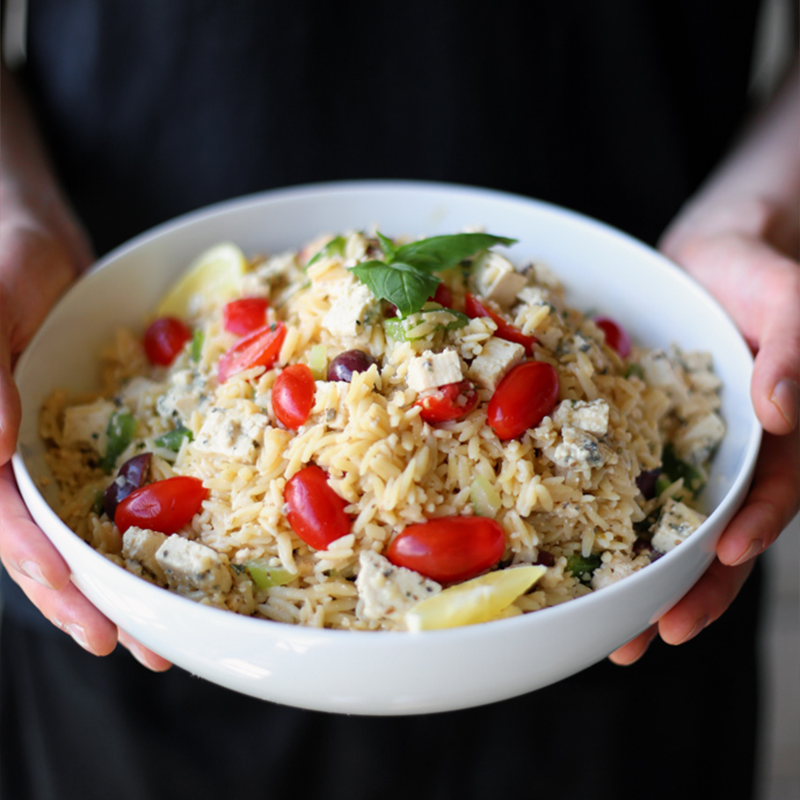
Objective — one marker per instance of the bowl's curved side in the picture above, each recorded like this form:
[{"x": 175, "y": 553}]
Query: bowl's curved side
[{"x": 390, "y": 673}]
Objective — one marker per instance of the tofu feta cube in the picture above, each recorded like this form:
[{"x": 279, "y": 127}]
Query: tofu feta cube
[
  {"x": 139, "y": 547},
  {"x": 352, "y": 311},
  {"x": 190, "y": 566},
  {"x": 88, "y": 424},
  {"x": 579, "y": 450},
  {"x": 696, "y": 443},
  {"x": 496, "y": 278},
  {"x": 495, "y": 359},
  {"x": 434, "y": 369},
  {"x": 591, "y": 417},
  {"x": 181, "y": 398},
  {"x": 386, "y": 592},
  {"x": 232, "y": 432},
  {"x": 676, "y": 523}
]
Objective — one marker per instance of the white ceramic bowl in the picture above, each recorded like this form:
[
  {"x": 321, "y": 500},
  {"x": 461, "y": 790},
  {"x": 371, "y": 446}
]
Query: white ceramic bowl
[{"x": 392, "y": 673}]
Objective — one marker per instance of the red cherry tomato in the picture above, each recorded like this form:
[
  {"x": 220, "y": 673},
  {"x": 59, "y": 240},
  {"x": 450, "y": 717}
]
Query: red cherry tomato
[
  {"x": 245, "y": 315},
  {"x": 526, "y": 395},
  {"x": 450, "y": 549},
  {"x": 164, "y": 339},
  {"x": 473, "y": 307},
  {"x": 260, "y": 348},
  {"x": 616, "y": 336},
  {"x": 316, "y": 513},
  {"x": 443, "y": 296},
  {"x": 448, "y": 402},
  {"x": 293, "y": 395},
  {"x": 164, "y": 506}
]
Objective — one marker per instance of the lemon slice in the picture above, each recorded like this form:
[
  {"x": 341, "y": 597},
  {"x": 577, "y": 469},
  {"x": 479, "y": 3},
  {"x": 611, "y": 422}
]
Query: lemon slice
[
  {"x": 471, "y": 602},
  {"x": 214, "y": 277}
]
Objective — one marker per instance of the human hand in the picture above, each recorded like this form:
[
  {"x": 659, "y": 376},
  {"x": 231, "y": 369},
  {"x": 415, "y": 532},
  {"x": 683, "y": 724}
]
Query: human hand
[
  {"x": 743, "y": 262},
  {"x": 42, "y": 250}
]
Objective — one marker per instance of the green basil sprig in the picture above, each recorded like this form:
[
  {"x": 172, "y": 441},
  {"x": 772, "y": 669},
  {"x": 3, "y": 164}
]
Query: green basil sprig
[{"x": 406, "y": 275}]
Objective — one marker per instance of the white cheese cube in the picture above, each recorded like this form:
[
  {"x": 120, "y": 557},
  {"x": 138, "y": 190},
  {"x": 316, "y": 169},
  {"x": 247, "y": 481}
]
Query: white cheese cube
[
  {"x": 588, "y": 416},
  {"x": 677, "y": 521},
  {"x": 496, "y": 278},
  {"x": 696, "y": 443},
  {"x": 352, "y": 311},
  {"x": 88, "y": 424},
  {"x": 496, "y": 358},
  {"x": 232, "y": 432},
  {"x": 386, "y": 592},
  {"x": 579, "y": 450},
  {"x": 191, "y": 566},
  {"x": 139, "y": 547},
  {"x": 434, "y": 369}
]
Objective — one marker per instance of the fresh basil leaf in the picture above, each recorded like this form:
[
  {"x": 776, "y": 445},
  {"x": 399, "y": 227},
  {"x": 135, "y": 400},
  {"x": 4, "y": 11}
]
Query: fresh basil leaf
[
  {"x": 442, "y": 252},
  {"x": 335, "y": 247},
  {"x": 172, "y": 440},
  {"x": 120, "y": 430},
  {"x": 407, "y": 287},
  {"x": 387, "y": 245}
]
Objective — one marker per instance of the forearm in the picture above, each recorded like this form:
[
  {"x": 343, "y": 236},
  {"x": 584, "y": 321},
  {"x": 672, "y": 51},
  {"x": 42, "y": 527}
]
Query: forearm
[{"x": 755, "y": 191}]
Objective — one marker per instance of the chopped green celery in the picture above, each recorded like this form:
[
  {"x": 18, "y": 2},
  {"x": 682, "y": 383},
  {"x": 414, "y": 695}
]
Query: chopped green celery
[
  {"x": 662, "y": 484},
  {"x": 582, "y": 567},
  {"x": 120, "y": 431},
  {"x": 674, "y": 468},
  {"x": 318, "y": 362},
  {"x": 634, "y": 369},
  {"x": 400, "y": 328},
  {"x": 265, "y": 576},
  {"x": 172, "y": 440},
  {"x": 335, "y": 247},
  {"x": 197, "y": 345},
  {"x": 97, "y": 505},
  {"x": 485, "y": 498}
]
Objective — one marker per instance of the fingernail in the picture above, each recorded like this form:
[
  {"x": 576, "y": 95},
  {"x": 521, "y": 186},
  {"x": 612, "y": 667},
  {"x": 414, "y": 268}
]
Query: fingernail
[
  {"x": 78, "y": 634},
  {"x": 33, "y": 571},
  {"x": 786, "y": 397},
  {"x": 139, "y": 654},
  {"x": 699, "y": 625},
  {"x": 753, "y": 549}
]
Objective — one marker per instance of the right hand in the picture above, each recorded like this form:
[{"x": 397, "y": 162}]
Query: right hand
[{"x": 42, "y": 251}]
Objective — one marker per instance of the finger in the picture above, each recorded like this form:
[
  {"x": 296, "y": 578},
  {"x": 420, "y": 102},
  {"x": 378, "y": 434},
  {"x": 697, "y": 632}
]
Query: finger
[
  {"x": 70, "y": 611},
  {"x": 635, "y": 648},
  {"x": 25, "y": 550},
  {"x": 770, "y": 506},
  {"x": 705, "y": 602},
  {"x": 142, "y": 654},
  {"x": 10, "y": 407}
]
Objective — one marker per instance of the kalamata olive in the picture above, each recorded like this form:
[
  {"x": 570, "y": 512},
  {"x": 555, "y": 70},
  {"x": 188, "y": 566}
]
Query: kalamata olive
[
  {"x": 132, "y": 475},
  {"x": 646, "y": 481},
  {"x": 545, "y": 559},
  {"x": 343, "y": 367}
]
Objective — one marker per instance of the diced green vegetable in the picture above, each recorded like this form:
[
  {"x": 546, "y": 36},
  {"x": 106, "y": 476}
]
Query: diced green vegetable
[
  {"x": 196, "y": 347},
  {"x": 318, "y": 362},
  {"x": 634, "y": 370},
  {"x": 674, "y": 468},
  {"x": 402, "y": 329},
  {"x": 583, "y": 567},
  {"x": 265, "y": 576},
  {"x": 485, "y": 498},
  {"x": 335, "y": 247},
  {"x": 97, "y": 505},
  {"x": 172, "y": 440},
  {"x": 120, "y": 431}
]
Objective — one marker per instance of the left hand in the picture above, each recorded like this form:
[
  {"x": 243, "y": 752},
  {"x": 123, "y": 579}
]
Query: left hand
[{"x": 759, "y": 286}]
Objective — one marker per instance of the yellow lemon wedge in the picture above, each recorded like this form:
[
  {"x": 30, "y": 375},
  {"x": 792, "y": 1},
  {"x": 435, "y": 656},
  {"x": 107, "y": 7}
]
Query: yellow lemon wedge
[
  {"x": 213, "y": 277},
  {"x": 478, "y": 600}
]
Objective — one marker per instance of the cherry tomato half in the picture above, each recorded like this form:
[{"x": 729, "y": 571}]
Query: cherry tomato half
[
  {"x": 449, "y": 402},
  {"x": 164, "y": 506},
  {"x": 443, "y": 296},
  {"x": 315, "y": 512},
  {"x": 473, "y": 308},
  {"x": 245, "y": 315},
  {"x": 260, "y": 348},
  {"x": 526, "y": 395},
  {"x": 293, "y": 395},
  {"x": 164, "y": 339},
  {"x": 616, "y": 336},
  {"x": 450, "y": 549}
]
